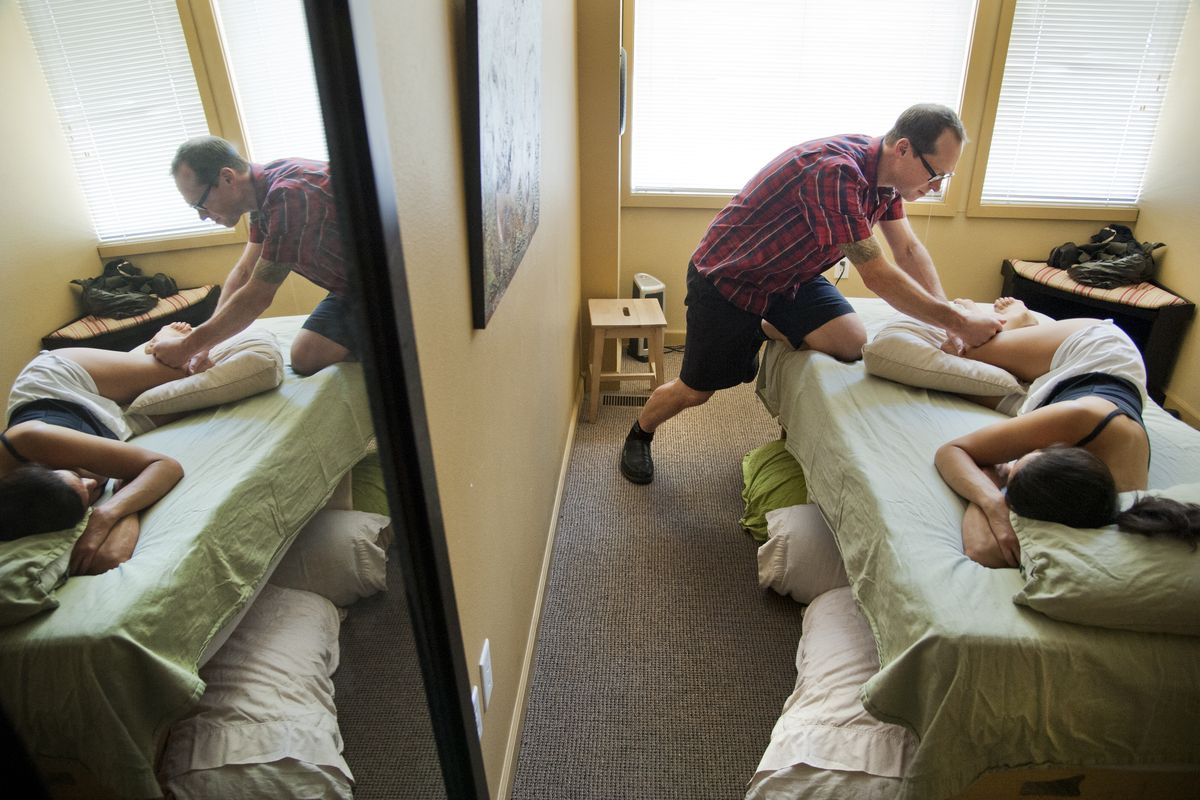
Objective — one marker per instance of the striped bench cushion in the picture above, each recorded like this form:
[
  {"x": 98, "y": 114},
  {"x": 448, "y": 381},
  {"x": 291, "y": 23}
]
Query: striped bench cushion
[
  {"x": 1142, "y": 295},
  {"x": 90, "y": 327}
]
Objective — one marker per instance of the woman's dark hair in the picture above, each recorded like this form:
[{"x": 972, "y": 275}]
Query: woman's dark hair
[
  {"x": 1071, "y": 486},
  {"x": 1153, "y": 516},
  {"x": 35, "y": 500},
  {"x": 1063, "y": 484}
]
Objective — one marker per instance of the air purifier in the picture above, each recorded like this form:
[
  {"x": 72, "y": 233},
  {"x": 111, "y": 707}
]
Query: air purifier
[{"x": 645, "y": 287}]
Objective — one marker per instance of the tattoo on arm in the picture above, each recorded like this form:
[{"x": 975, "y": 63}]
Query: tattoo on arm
[
  {"x": 861, "y": 252},
  {"x": 271, "y": 272}
]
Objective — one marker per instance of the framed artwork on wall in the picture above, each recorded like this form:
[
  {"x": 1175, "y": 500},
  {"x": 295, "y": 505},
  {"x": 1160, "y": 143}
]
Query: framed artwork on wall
[{"x": 502, "y": 142}]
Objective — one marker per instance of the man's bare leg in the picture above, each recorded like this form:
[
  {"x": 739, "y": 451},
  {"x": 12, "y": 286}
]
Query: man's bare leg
[
  {"x": 842, "y": 337},
  {"x": 312, "y": 352}
]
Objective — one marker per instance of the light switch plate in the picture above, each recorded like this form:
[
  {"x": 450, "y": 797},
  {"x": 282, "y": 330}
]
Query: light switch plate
[
  {"x": 485, "y": 673},
  {"x": 478, "y": 710}
]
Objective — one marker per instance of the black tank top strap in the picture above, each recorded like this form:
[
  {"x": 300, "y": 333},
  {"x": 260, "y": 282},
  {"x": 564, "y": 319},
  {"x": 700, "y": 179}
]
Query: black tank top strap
[
  {"x": 12, "y": 450},
  {"x": 1096, "y": 431}
]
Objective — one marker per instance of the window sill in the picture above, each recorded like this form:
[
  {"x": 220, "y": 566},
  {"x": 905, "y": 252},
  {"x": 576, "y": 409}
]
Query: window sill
[
  {"x": 1082, "y": 213},
  {"x": 718, "y": 201},
  {"x": 167, "y": 244}
]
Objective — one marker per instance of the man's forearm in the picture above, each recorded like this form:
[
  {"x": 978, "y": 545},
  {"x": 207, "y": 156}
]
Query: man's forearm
[
  {"x": 243, "y": 307},
  {"x": 900, "y": 289},
  {"x": 240, "y": 273},
  {"x": 916, "y": 261}
]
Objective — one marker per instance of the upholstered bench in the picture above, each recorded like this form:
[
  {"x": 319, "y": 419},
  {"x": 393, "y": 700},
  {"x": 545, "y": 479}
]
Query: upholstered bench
[
  {"x": 193, "y": 306},
  {"x": 1153, "y": 316}
]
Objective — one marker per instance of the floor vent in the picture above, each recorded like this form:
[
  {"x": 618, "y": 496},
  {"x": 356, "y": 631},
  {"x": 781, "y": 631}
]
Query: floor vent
[{"x": 623, "y": 399}]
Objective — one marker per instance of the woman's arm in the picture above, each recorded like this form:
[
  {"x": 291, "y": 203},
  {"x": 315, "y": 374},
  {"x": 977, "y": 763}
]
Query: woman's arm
[
  {"x": 117, "y": 547},
  {"x": 966, "y": 465},
  {"x": 147, "y": 476},
  {"x": 987, "y": 535}
]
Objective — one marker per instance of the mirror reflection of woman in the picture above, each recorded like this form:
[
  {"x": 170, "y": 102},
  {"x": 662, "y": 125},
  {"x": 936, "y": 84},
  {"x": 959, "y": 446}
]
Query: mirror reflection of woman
[
  {"x": 67, "y": 437},
  {"x": 1077, "y": 441}
]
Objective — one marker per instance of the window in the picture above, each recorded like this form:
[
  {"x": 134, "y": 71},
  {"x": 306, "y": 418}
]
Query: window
[
  {"x": 266, "y": 43},
  {"x": 125, "y": 87},
  {"x": 121, "y": 80},
  {"x": 1080, "y": 100},
  {"x": 720, "y": 88}
]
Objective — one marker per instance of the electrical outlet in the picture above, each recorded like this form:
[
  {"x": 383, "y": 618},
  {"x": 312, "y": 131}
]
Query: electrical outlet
[
  {"x": 478, "y": 710},
  {"x": 841, "y": 269},
  {"x": 485, "y": 673}
]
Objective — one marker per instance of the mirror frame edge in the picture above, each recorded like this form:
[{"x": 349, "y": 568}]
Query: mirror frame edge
[{"x": 346, "y": 68}]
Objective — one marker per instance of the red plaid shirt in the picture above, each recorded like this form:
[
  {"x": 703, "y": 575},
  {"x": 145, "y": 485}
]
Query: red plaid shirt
[
  {"x": 783, "y": 229},
  {"x": 296, "y": 221}
]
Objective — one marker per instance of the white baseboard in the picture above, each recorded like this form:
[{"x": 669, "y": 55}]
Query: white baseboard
[{"x": 517, "y": 725}]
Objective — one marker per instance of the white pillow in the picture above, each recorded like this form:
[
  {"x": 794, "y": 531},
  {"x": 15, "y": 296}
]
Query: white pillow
[
  {"x": 824, "y": 724},
  {"x": 243, "y": 365},
  {"x": 338, "y": 556},
  {"x": 800, "y": 557},
  {"x": 268, "y": 701},
  {"x": 1112, "y": 579},
  {"x": 909, "y": 352}
]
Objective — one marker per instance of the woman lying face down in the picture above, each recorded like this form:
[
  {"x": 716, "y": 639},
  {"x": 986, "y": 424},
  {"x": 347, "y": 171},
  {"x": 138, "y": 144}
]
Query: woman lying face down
[
  {"x": 1077, "y": 441},
  {"x": 66, "y": 438}
]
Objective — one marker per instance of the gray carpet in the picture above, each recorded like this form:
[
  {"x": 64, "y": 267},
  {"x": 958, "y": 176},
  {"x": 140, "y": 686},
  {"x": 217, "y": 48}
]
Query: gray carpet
[
  {"x": 661, "y": 667},
  {"x": 381, "y": 701}
]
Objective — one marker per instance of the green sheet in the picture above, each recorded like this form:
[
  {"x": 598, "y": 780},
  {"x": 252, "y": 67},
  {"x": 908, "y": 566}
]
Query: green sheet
[
  {"x": 985, "y": 684},
  {"x": 94, "y": 685}
]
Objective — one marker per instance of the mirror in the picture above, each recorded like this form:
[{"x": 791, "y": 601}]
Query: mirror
[{"x": 401, "y": 666}]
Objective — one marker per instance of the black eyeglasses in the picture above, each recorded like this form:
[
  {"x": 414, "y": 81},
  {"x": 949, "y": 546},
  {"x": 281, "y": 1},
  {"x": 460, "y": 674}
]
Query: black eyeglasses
[
  {"x": 934, "y": 175},
  {"x": 199, "y": 204}
]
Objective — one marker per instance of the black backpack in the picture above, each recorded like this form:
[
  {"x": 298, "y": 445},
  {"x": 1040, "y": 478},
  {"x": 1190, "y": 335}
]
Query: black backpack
[
  {"x": 123, "y": 291},
  {"x": 1112, "y": 258}
]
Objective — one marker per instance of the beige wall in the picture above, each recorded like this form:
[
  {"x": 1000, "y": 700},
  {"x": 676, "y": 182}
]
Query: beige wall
[
  {"x": 44, "y": 222},
  {"x": 1170, "y": 208},
  {"x": 499, "y": 400}
]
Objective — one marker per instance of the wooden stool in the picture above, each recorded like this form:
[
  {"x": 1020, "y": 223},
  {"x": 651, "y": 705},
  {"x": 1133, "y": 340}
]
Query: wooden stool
[{"x": 624, "y": 319}]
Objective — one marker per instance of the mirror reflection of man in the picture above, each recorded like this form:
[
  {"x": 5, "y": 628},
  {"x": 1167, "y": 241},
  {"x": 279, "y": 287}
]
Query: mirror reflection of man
[{"x": 293, "y": 228}]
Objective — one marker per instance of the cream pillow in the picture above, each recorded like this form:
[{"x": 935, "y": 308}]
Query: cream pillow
[
  {"x": 909, "y": 352},
  {"x": 824, "y": 724},
  {"x": 337, "y": 555},
  {"x": 800, "y": 558},
  {"x": 243, "y": 365},
  {"x": 268, "y": 702},
  {"x": 1111, "y": 579},
  {"x": 31, "y": 568}
]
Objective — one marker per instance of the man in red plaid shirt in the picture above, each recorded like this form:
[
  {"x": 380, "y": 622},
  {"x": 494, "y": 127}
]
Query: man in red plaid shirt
[
  {"x": 757, "y": 272},
  {"x": 293, "y": 228}
]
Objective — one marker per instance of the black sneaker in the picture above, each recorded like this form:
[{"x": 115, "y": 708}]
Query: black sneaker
[{"x": 636, "y": 463}]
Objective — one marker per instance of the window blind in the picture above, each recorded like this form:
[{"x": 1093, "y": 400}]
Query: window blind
[
  {"x": 267, "y": 47},
  {"x": 1080, "y": 100},
  {"x": 121, "y": 80},
  {"x": 719, "y": 88}
]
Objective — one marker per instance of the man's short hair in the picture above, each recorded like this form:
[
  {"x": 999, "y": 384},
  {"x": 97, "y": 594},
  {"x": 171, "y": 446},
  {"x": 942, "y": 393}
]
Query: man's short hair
[
  {"x": 35, "y": 500},
  {"x": 207, "y": 156},
  {"x": 923, "y": 123}
]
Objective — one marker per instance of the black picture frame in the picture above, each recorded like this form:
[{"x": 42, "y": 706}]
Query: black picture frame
[{"x": 501, "y": 112}]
